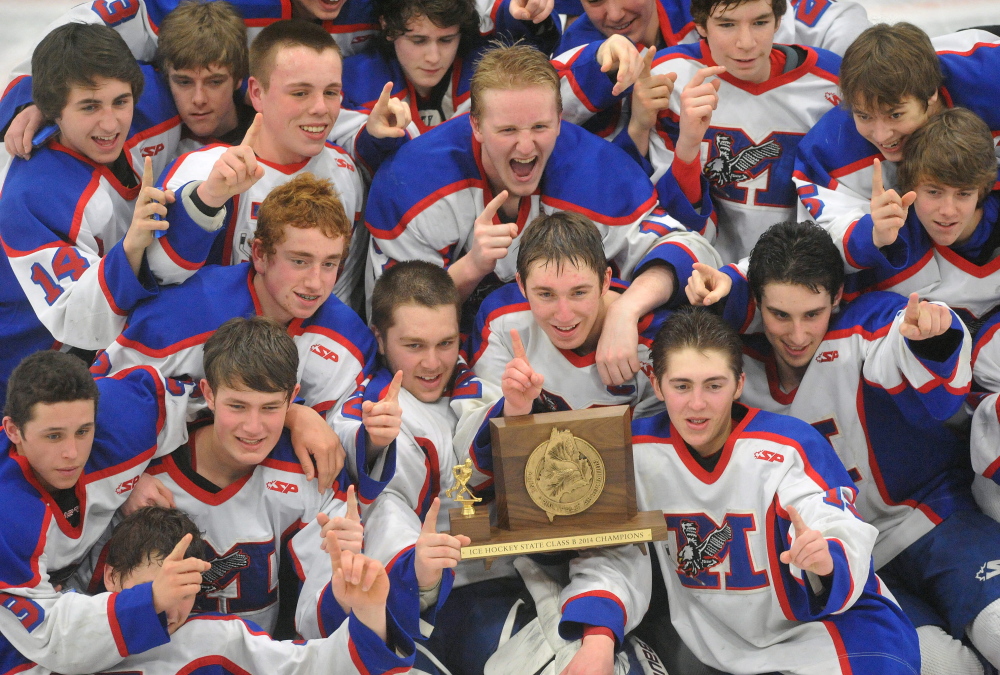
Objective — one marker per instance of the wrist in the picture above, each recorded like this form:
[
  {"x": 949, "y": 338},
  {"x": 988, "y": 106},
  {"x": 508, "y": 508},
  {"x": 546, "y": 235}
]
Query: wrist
[{"x": 208, "y": 198}]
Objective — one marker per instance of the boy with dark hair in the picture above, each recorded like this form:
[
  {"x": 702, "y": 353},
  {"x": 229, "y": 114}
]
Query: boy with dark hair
[
  {"x": 940, "y": 237},
  {"x": 878, "y": 377},
  {"x": 369, "y": 642},
  {"x": 66, "y": 465},
  {"x": 79, "y": 252},
  {"x": 738, "y": 131},
  {"x": 893, "y": 80},
  {"x": 741, "y": 490},
  {"x": 237, "y": 477},
  {"x": 534, "y": 343}
]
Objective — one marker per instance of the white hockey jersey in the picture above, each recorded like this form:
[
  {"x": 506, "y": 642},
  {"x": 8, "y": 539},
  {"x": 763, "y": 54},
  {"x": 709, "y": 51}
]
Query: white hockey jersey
[
  {"x": 748, "y": 152},
  {"x": 333, "y": 163},
  {"x": 140, "y": 416},
  {"x": 735, "y": 605},
  {"x": 881, "y": 404}
]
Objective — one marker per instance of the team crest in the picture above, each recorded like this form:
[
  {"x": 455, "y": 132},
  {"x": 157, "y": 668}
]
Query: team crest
[
  {"x": 728, "y": 168},
  {"x": 696, "y": 555}
]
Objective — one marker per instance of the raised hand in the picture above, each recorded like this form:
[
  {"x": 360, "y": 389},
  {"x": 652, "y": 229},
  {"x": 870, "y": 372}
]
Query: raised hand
[
  {"x": 235, "y": 171},
  {"x": 359, "y": 585},
  {"x": 389, "y": 117},
  {"x": 148, "y": 491},
  {"x": 21, "y": 130},
  {"x": 435, "y": 550},
  {"x": 888, "y": 209},
  {"x": 707, "y": 285},
  {"x": 348, "y": 530},
  {"x": 810, "y": 550},
  {"x": 650, "y": 95},
  {"x": 535, "y": 11},
  {"x": 520, "y": 384},
  {"x": 177, "y": 583},
  {"x": 490, "y": 240},
  {"x": 382, "y": 420},
  {"x": 145, "y": 224},
  {"x": 923, "y": 320},
  {"x": 698, "y": 100},
  {"x": 618, "y": 52}
]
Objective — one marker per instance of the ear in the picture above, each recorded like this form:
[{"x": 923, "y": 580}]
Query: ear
[
  {"x": 295, "y": 393},
  {"x": 379, "y": 339},
  {"x": 838, "y": 297},
  {"x": 606, "y": 282},
  {"x": 739, "y": 386},
  {"x": 702, "y": 31},
  {"x": 206, "y": 391},
  {"x": 13, "y": 433},
  {"x": 656, "y": 387},
  {"x": 476, "y": 133},
  {"x": 111, "y": 583},
  {"x": 255, "y": 92},
  {"x": 932, "y": 100},
  {"x": 237, "y": 84},
  {"x": 258, "y": 257},
  {"x": 520, "y": 283}
]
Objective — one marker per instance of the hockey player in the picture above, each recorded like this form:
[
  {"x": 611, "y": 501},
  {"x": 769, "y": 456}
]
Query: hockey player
[
  {"x": 937, "y": 238},
  {"x": 756, "y": 501},
  {"x": 77, "y": 226},
  {"x": 741, "y": 129},
  {"x": 884, "y": 103},
  {"x": 535, "y": 343},
  {"x": 297, "y": 251},
  {"x": 66, "y": 465},
  {"x": 295, "y": 83},
  {"x": 370, "y": 642},
  {"x": 237, "y": 478},
  {"x": 878, "y": 377},
  {"x": 509, "y": 161}
]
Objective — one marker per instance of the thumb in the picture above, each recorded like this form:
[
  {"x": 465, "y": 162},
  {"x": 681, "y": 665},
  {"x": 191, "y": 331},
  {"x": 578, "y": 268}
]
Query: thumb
[
  {"x": 353, "y": 510},
  {"x": 908, "y": 199},
  {"x": 180, "y": 549},
  {"x": 786, "y": 557},
  {"x": 912, "y": 309},
  {"x": 430, "y": 519}
]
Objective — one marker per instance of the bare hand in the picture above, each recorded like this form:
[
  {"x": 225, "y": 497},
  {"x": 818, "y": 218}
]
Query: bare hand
[
  {"x": 359, "y": 585},
  {"x": 436, "y": 551},
  {"x": 618, "y": 53},
  {"x": 888, "y": 209},
  {"x": 923, "y": 320},
  {"x": 535, "y": 11},
  {"x": 382, "y": 420},
  {"x": 707, "y": 285},
  {"x": 618, "y": 349},
  {"x": 650, "y": 96},
  {"x": 810, "y": 551},
  {"x": 177, "y": 583},
  {"x": 698, "y": 100},
  {"x": 22, "y": 129},
  {"x": 235, "y": 171},
  {"x": 520, "y": 384},
  {"x": 596, "y": 656},
  {"x": 490, "y": 240},
  {"x": 348, "y": 530},
  {"x": 151, "y": 202},
  {"x": 315, "y": 442},
  {"x": 148, "y": 491},
  {"x": 389, "y": 117}
]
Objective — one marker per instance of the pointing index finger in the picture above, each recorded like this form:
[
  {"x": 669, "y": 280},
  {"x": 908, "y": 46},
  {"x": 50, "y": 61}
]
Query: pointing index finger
[
  {"x": 353, "y": 510},
  {"x": 253, "y": 132},
  {"x": 515, "y": 338},
  {"x": 491, "y": 209},
  {"x": 797, "y": 523},
  {"x": 705, "y": 73},
  {"x": 383, "y": 98},
  {"x": 147, "y": 172},
  {"x": 392, "y": 393},
  {"x": 878, "y": 189},
  {"x": 180, "y": 549},
  {"x": 429, "y": 525}
]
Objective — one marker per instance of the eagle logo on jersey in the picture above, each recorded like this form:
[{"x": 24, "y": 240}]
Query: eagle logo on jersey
[
  {"x": 728, "y": 168},
  {"x": 221, "y": 567},
  {"x": 696, "y": 555}
]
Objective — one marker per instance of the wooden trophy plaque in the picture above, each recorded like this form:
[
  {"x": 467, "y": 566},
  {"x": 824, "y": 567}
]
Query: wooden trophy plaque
[{"x": 563, "y": 480}]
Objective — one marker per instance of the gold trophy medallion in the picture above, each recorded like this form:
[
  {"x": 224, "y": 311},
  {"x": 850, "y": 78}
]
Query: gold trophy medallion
[{"x": 564, "y": 475}]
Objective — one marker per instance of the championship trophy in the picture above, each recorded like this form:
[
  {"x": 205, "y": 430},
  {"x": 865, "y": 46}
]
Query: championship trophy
[{"x": 563, "y": 480}]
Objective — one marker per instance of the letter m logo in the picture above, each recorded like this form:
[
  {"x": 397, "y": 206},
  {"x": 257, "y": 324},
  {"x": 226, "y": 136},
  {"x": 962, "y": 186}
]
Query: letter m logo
[{"x": 708, "y": 551}]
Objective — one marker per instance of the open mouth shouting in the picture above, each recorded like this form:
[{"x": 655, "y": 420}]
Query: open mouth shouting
[{"x": 523, "y": 168}]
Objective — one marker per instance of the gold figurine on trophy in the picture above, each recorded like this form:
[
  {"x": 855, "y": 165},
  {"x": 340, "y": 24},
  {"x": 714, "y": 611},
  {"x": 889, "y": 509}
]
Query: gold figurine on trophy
[{"x": 462, "y": 474}]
